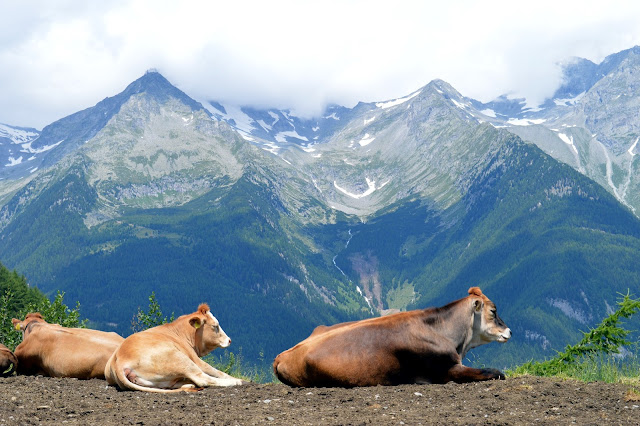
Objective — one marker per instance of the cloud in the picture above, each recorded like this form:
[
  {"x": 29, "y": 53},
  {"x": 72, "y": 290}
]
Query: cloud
[{"x": 58, "y": 58}]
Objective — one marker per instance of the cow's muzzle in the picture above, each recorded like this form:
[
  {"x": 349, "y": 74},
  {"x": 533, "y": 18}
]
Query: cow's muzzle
[{"x": 506, "y": 335}]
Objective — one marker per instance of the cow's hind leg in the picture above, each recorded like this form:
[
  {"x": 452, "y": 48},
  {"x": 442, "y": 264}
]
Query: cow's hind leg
[{"x": 461, "y": 374}]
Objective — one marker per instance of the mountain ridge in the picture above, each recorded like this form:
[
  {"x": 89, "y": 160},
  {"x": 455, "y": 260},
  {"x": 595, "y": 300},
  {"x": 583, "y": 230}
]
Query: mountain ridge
[{"x": 402, "y": 205}]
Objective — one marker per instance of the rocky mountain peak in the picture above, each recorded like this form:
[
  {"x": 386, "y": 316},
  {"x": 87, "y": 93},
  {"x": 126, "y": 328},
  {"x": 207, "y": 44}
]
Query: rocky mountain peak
[{"x": 154, "y": 84}]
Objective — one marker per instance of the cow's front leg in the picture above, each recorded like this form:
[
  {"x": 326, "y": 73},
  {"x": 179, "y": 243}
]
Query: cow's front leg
[
  {"x": 461, "y": 374},
  {"x": 214, "y": 372},
  {"x": 201, "y": 379}
]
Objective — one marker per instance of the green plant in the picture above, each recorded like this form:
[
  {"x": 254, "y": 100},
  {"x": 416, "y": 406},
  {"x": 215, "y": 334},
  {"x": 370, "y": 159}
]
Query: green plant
[
  {"x": 235, "y": 365},
  {"x": 605, "y": 339},
  {"x": 151, "y": 318},
  {"x": 54, "y": 312}
]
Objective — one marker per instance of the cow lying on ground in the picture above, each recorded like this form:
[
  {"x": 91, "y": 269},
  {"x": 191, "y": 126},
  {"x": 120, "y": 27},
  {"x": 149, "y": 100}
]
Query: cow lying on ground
[
  {"x": 166, "y": 358},
  {"x": 8, "y": 361},
  {"x": 56, "y": 351},
  {"x": 421, "y": 346}
]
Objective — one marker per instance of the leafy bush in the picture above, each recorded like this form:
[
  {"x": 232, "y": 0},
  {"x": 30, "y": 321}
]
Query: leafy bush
[
  {"x": 54, "y": 312},
  {"x": 151, "y": 318},
  {"x": 594, "y": 352}
]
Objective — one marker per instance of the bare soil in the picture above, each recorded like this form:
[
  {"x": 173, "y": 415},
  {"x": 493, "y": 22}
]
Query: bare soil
[{"x": 522, "y": 400}]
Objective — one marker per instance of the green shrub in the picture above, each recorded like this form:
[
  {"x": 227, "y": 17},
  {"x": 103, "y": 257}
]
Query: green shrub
[
  {"x": 593, "y": 357},
  {"x": 54, "y": 312},
  {"x": 151, "y": 318}
]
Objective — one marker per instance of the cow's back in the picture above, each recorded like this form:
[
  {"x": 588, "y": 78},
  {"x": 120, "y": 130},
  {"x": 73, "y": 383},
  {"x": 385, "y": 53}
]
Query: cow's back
[
  {"x": 57, "y": 351},
  {"x": 333, "y": 356}
]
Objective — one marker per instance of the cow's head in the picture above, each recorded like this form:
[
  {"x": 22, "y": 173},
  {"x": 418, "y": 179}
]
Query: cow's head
[
  {"x": 31, "y": 317},
  {"x": 209, "y": 334},
  {"x": 487, "y": 325}
]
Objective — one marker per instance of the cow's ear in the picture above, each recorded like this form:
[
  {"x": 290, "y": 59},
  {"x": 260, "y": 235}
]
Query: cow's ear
[
  {"x": 477, "y": 305},
  {"x": 195, "y": 322},
  {"x": 16, "y": 323}
]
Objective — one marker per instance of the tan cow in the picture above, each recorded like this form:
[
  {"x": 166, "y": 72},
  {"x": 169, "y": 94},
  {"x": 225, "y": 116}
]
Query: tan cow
[
  {"x": 421, "y": 346},
  {"x": 166, "y": 358},
  {"x": 8, "y": 361},
  {"x": 56, "y": 351}
]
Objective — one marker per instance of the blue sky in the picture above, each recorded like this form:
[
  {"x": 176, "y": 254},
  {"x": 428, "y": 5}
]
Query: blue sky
[{"x": 58, "y": 57}]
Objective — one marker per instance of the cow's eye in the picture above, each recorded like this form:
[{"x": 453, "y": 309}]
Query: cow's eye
[{"x": 216, "y": 328}]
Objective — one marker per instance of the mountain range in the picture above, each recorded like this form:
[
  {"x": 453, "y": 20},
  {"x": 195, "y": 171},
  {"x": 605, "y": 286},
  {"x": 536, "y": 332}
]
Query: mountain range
[{"x": 282, "y": 223}]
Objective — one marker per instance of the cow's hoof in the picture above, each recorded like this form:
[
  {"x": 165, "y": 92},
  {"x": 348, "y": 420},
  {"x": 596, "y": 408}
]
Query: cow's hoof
[{"x": 493, "y": 374}]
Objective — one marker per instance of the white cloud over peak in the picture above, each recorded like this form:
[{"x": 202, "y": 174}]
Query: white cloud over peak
[{"x": 60, "y": 57}]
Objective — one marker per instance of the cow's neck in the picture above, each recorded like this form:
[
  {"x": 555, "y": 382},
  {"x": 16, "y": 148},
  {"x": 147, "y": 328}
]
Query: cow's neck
[
  {"x": 454, "y": 321},
  {"x": 186, "y": 336},
  {"x": 29, "y": 327}
]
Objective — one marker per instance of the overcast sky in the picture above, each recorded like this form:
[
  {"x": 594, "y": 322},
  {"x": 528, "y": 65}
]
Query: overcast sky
[{"x": 58, "y": 57}]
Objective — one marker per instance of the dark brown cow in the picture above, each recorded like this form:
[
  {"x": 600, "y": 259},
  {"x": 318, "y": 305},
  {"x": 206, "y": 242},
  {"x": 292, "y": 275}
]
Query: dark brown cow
[
  {"x": 421, "y": 346},
  {"x": 56, "y": 351},
  {"x": 166, "y": 358},
  {"x": 8, "y": 361}
]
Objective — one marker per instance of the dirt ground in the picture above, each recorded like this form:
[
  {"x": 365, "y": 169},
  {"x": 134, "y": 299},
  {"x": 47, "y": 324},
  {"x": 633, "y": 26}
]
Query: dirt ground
[{"x": 523, "y": 400}]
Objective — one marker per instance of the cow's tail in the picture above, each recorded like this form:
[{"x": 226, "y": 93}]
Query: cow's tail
[{"x": 122, "y": 380}]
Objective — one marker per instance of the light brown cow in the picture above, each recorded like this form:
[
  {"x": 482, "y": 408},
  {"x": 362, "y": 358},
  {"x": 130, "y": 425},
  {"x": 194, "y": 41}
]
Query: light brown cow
[
  {"x": 421, "y": 346},
  {"x": 56, "y": 351},
  {"x": 166, "y": 358},
  {"x": 8, "y": 361}
]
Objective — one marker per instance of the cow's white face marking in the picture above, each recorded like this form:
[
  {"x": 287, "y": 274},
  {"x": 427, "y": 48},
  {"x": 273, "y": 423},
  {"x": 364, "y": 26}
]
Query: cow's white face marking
[
  {"x": 223, "y": 340},
  {"x": 493, "y": 328},
  {"x": 487, "y": 325}
]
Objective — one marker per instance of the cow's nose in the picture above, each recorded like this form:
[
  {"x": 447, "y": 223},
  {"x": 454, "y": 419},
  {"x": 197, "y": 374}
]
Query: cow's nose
[{"x": 229, "y": 340}]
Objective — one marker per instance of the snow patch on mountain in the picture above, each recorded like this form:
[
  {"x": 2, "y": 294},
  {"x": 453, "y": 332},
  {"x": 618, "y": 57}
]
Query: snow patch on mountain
[
  {"x": 246, "y": 137},
  {"x": 395, "y": 102},
  {"x": 366, "y": 140},
  {"x": 264, "y": 125},
  {"x": 242, "y": 121},
  {"x": 569, "y": 101},
  {"x": 458, "y": 104},
  {"x": 282, "y": 136},
  {"x": 17, "y": 135},
  {"x": 14, "y": 161},
  {"x": 489, "y": 113},
  {"x": 568, "y": 140},
  {"x": 275, "y": 117},
  {"x": 370, "y": 183},
  {"x": 26, "y": 147},
  {"x": 271, "y": 147},
  {"x": 369, "y": 120},
  {"x": 633, "y": 147},
  {"x": 525, "y": 121}
]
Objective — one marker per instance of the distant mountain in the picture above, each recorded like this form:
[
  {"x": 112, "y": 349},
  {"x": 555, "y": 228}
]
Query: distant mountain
[
  {"x": 283, "y": 223},
  {"x": 590, "y": 123},
  {"x": 16, "y": 152}
]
